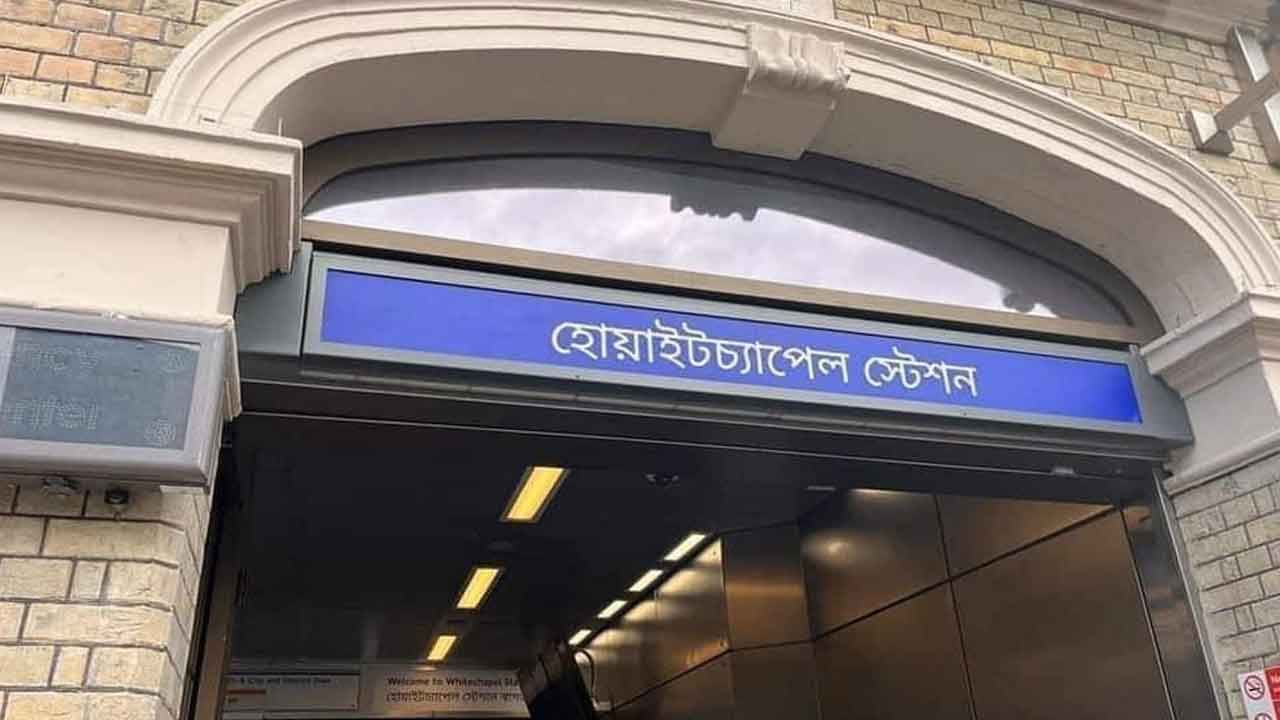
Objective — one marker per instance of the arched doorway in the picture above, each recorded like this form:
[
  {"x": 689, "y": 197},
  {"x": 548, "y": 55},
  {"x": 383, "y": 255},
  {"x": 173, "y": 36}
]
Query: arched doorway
[{"x": 305, "y": 70}]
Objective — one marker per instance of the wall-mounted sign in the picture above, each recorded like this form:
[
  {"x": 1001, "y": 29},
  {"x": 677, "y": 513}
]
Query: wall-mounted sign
[
  {"x": 444, "y": 693},
  {"x": 300, "y": 691},
  {"x": 1260, "y": 691},
  {"x": 475, "y": 321},
  {"x": 104, "y": 398},
  {"x": 375, "y": 691}
]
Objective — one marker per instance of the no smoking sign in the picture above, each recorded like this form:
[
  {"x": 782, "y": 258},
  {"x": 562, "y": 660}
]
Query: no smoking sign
[{"x": 1260, "y": 691}]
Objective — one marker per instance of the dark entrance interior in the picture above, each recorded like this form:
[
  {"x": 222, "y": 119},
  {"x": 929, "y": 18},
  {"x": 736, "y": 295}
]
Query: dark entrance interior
[{"x": 828, "y": 585}]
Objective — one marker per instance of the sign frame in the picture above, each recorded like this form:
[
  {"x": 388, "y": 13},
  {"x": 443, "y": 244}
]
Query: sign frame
[
  {"x": 192, "y": 466},
  {"x": 1163, "y": 416}
]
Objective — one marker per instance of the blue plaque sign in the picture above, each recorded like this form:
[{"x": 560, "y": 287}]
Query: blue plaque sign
[{"x": 467, "y": 320}]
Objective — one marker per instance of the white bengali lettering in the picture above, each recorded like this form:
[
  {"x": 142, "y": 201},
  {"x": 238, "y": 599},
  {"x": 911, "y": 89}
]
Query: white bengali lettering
[
  {"x": 686, "y": 346},
  {"x": 910, "y": 372}
]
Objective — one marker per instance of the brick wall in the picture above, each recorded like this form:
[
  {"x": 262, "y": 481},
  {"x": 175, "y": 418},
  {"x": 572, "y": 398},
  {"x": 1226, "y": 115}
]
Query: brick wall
[
  {"x": 102, "y": 53},
  {"x": 1232, "y": 530},
  {"x": 1137, "y": 76},
  {"x": 95, "y": 608}
]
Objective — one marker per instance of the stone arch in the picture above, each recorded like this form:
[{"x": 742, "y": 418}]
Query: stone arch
[{"x": 757, "y": 80}]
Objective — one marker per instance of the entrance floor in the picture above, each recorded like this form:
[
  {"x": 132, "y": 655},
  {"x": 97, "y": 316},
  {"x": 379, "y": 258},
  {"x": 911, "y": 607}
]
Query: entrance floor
[{"x": 809, "y": 586}]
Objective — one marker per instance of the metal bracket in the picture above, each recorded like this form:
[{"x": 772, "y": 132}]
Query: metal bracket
[{"x": 1253, "y": 64}]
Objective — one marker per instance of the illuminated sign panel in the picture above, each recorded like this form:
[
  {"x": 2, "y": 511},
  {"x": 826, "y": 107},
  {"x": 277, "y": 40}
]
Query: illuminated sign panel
[{"x": 536, "y": 333}]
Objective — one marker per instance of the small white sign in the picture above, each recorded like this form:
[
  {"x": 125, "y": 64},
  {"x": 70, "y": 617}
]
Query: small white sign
[
  {"x": 248, "y": 692},
  {"x": 1260, "y": 690},
  {"x": 444, "y": 693}
]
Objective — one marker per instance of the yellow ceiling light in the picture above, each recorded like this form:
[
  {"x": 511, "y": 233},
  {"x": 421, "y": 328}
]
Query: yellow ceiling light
[
  {"x": 612, "y": 609},
  {"x": 580, "y": 637},
  {"x": 645, "y": 581},
  {"x": 478, "y": 585},
  {"x": 534, "y": 493},
  {"x": 440, "y": 649},
  {"x": 685, "y": 547}
]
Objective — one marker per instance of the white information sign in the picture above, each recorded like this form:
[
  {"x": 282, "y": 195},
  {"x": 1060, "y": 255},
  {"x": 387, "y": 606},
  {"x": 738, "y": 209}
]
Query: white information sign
[
  {"x": 303, "y": 691},
  {"x": 1260, "y": 691},
  {"x": 394, "y": 692}
]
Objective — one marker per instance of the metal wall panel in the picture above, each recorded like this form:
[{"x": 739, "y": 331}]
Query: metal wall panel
[
  {"x": 764, "y": 587},
  {"x": 903, "y": 663},
  {"x": 775, "y": 682},
  {"x": 980, "y": 529},
  {"x": 692, "y": 626},
  {"x": 622, "y": 654},
  {"x": 680, "y": 627},
  {"x": 867, "y": 548},
  {"x": 1058, "y": 632},
  {"x": 1187, "y": 671},
  {"x": 704, "y": 694}
]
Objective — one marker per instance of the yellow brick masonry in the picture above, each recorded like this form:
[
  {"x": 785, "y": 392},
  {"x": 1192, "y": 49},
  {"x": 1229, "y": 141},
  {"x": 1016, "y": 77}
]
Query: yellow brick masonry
[
  {"x": 99, "y": 53},
  {"x": 1138, "y": 76},
  {"x": 112, "y": 53},
  {"x": 96, "y": 607}
]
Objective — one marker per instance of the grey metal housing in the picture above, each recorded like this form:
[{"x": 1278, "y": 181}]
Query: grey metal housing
[{"x": 193, "y": 465}]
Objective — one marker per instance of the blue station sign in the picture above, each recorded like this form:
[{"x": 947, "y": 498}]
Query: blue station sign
[{"x": 477, "y": 321}]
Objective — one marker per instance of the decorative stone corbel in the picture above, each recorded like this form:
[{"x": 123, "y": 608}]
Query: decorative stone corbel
[
  {"x": 1226, "y": 366},
  {"x": 793, "y": 82}
]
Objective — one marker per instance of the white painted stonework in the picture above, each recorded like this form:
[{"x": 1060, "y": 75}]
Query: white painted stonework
[{"x": 108, "y": 213}]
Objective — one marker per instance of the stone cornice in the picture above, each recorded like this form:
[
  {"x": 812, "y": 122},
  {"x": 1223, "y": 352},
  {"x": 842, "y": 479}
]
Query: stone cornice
[
  {"x": 1201, "y": 353},
  {"x": 246, "y": 182}
]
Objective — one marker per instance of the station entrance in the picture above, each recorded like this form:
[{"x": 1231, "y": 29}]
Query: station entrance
[
  {"x": 401, "y": 540},
  {"x": 559, "y": 421},
  {"x": 686, "y": 581}
]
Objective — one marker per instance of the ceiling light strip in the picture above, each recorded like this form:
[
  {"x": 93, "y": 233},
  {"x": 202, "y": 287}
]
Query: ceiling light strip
[
  {"x": 440, "y": 649},
  {"x": 478, "y": 586},
  {"x": 612, "y": 609},
  {"x": 645, "y": 582},
  {"x": 686, "y": 546},
  {"x": 538, "y": 485}
]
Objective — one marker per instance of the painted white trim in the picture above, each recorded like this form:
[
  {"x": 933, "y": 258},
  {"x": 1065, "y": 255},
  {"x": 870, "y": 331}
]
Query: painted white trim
[
  {"x": 1242, "y": 456},
  {"x": 324, "y": 67},
  {"x": 245, "y": 182},
  {"x": 1196, "y": 356}
]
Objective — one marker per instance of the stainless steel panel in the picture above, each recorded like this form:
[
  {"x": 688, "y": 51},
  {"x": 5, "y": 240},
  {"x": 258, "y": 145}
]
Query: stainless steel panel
[
  {"x": 1058, "y": 632},
  {"x": 692, "y": 625},
  {"x": 704, "y": 694},
  {"x": 681, "y": 626},
  {"x": 903, "y": 663},
  {"x": 866, "y": 549},
  {"x": 979, "y": 529},
  {"x": 625, "y": 653},
  {"x": 1187, "y": 672},
  {"x": 764, "y": 587},
  {"x": 775, "y": 682}
]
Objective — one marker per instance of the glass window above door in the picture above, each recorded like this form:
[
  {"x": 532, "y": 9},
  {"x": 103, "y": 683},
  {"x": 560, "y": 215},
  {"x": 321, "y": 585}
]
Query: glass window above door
[{"x": 710, "y": 219}]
